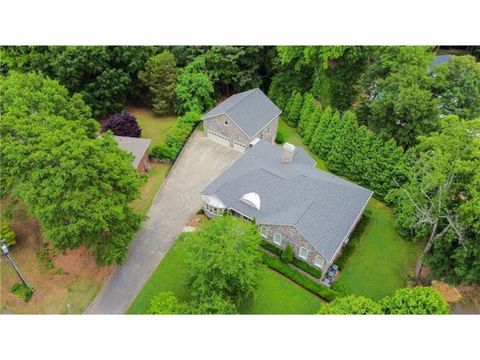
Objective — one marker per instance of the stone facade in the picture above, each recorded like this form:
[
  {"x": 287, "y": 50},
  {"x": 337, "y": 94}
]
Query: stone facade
[
  {"x": 223, "y": 125},
  {"x": 290, "y": 235}
]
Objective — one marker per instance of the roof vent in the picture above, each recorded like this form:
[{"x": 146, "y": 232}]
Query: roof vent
[
  {"x": 287, "y": 152},
  {"x": 251, "y": 199}
]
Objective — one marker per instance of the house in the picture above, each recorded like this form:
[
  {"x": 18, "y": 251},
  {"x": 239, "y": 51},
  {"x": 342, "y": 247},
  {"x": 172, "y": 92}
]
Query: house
[
  {"x": 290, "y": 200},
  {"x": 242, "y": 118},
  {"x": 139, "y": 148}
]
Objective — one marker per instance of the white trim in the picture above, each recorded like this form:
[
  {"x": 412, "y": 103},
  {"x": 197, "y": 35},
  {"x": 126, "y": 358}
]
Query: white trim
[
  {"x": 263, "y": 228},
  {"x": 300, "y": 253},
  {"x": 319, "y": 257},
  {"x": 248, "y": 217},
  {"x": 277, "y": 234}
]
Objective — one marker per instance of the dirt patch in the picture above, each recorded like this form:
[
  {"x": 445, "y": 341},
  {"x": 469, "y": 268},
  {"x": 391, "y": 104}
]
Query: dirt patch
[
  {"x": 196, "y": 220},
  {"x": 470, "y": 302},
  {"x": 67, "y": 286},
  {"x": 449, "y": 293}
]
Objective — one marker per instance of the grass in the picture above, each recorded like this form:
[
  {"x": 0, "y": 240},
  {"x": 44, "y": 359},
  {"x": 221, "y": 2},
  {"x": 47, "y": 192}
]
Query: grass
[
  {"x": 149, "y": 189},
  {"x": 382, "y": 260},
  {"x": 292, "y": 137},
  {"x": 275, "y": 295},
  {"x": 153, "y": 126}
]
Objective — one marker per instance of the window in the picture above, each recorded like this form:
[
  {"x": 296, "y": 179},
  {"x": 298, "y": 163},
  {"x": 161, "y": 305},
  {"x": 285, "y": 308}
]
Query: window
[
  {"x": 303, "y": 253},
  {"x": 226, "y": 123},
  {"x": 319, "y": 261},
  {"x": 277, "y": 239},
  {"x": 263, "y": 231}
]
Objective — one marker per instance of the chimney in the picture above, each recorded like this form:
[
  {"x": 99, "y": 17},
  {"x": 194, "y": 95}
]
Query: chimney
[{"x": 287, "y": 152}]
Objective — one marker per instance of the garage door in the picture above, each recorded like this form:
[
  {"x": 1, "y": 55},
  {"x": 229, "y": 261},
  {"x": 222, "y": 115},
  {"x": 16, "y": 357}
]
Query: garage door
[
  {"x": 219, "y": 138},
  {"x": 239, "y": 146}
]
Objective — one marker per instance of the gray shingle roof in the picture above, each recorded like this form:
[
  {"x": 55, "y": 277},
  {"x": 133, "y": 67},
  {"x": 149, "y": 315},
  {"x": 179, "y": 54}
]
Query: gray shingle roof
[
  {"x": 322, "y": 206},
  {"x": 137, "y": 146},
  {"x": 251, "y": 110}
]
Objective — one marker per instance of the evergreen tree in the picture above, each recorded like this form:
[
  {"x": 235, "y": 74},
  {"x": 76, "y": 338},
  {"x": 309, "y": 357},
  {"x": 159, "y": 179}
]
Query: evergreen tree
[
  {"x": 329, "y": 135},
  {"x": 295, "y": 108},
  {"x": 311, "y": 124},
  {"x": 343, "y": 149},
  {"x": 323, "y": 124},
  {"x": 307, "y": 108}
]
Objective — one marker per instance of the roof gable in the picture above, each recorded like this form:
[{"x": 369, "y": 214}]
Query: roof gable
[
  {"x": 251, "y": 110},
  {"x": 137, "y": 146}
]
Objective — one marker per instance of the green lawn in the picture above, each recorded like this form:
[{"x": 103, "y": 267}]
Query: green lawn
[
  {"x": 292, "y": 137},
  {"x": 275, "y": 295},
  {"x": 149, "y": 189},
  {"x": 153, "y": 126},
  {"x": 382, "y": 260}
]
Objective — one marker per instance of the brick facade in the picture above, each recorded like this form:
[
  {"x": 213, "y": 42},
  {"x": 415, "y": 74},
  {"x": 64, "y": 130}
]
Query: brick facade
[
  {"x": 144, "y": 164},
  {"x": 223, "y": 125}
]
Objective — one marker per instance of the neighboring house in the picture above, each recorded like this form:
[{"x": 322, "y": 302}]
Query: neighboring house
[
  {"x": 291, "y": 201},
  {"x": 242, "y": 118},
  {"x": 139, "y": 148}
]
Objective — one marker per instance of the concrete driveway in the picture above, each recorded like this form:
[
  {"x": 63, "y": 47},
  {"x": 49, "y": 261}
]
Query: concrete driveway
[{"x": 179, "y": 197}]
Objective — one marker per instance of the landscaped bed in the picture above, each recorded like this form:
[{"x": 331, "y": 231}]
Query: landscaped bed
[{"x": 275, "y": 294}]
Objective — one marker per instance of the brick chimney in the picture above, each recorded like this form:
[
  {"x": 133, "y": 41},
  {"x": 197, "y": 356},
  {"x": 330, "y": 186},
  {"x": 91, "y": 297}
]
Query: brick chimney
[{"x": 287, "y": 152}]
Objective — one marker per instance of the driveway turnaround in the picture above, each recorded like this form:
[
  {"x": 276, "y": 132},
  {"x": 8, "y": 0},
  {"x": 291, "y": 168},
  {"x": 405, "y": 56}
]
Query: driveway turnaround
[{"x": 201, "y": 161}]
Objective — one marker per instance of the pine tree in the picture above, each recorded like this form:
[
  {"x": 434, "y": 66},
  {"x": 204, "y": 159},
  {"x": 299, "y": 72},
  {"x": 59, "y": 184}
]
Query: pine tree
[
  {"x": 295, "y": 109},
  {"x": 329, "y": 135},
  {"x": 312, "y": 124},
  {"x": 323, "y": 124},
  {"x": 307, "y": 108},
  {"x": 343, "y": 148},
  {"x": 288, "y": 107}
]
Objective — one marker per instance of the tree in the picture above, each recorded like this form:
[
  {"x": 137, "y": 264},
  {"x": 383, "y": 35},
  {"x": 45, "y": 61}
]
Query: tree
[
  {"x": 311, "y": 124},
  {"x": 211, "y": 304},
  {"x": 307, "y": 108},
  {"x": 287, "y": 254},
  {"x": 79, "y": 187},
  {"x": 165, "y": 303},
  {"x": 457, "y": 85},
  {"x": 123, "y": 124},
  {"x": 7, "y": 234},
  {"x": 32, "y": 93},
  {"x": 415, "y": 301},
  {"x": 351, "y": 305},
  {"x": 292, "y": 111},
  {"x": 224, "y": 259},
  {"x": 323, "y": 123},
  {"x": 108, "y": 94},
  {"x": 194, "y": 90},
  {"x": 430, "y": 203},
  {"x": 405, "y": 107},
  {"x": 159, "y": 76}
]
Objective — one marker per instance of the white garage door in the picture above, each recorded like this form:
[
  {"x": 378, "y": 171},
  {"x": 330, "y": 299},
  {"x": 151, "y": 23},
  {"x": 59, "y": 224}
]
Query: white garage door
[
  {"x": 239, "y": 146},
  {"x": 219, "y": 138}
]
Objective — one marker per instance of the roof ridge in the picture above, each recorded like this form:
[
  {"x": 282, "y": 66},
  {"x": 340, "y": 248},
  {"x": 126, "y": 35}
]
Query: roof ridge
[{"x": 234, "y": 105}]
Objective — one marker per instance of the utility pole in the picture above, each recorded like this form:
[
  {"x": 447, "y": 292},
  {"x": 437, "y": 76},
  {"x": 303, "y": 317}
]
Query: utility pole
[{"x": 6, "y": 252}]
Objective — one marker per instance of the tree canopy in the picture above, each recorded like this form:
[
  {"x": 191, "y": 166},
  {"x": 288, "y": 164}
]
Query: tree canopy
[
  {"x": 224, "y": 259},
  {"x": 123, "y": 124},
  {"x": 351, "y": 305},
  {"x": 416, "y": 301}
]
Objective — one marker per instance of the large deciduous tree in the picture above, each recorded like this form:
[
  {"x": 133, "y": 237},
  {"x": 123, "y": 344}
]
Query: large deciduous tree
[
  {"x": 457, "y": 85},
  {"x": 438, "y": 199},
  {"x": 159, "y": 76},
  {"x": 224, "y": 259},
  {"x": 351, "y": 305}
]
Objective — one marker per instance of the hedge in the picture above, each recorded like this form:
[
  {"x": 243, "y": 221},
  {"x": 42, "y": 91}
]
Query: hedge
[
  {"x": 296, "y": 262},
  {"x": 312, "y": 286}
]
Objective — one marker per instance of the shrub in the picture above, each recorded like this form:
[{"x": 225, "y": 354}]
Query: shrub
[
  {"x": 416, "y": 301},
  {"x": 161, "y": 152},
  {"x": 309, "y": 269},
  {"x": 302, "y": 280},
  {"x": 351, "y": 305},
  {"x": 270, "y": 247},
  {"x": 22, "y": 291},
  {"x": 280, "y": 138},
  {"x": 123, "y": 124},
  {"x": 7, "y": 234},
  {"x": 287, "y": 254}
]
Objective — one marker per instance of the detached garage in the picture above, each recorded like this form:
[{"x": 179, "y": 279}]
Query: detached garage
[
  {"x": 219, "y": 138},
  {"x": 242, "y": 118}
]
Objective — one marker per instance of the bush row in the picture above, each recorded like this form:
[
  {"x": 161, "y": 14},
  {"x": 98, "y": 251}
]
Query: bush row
[
  {"x": 176, "y": 138},
  {"x": 309, "y": 269},
  {"x": 312, "y": 286}
]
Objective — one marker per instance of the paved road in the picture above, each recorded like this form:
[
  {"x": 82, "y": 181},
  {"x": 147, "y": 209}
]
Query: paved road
[{"x": 179, "y": 197}]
